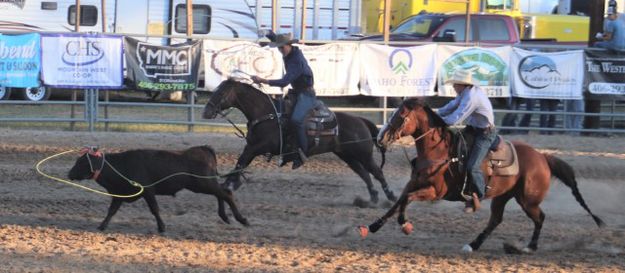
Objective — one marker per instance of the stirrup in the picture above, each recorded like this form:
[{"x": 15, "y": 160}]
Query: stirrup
[
  {"x": 467, "y": 197},
  {"x": 302, "y": 155}
]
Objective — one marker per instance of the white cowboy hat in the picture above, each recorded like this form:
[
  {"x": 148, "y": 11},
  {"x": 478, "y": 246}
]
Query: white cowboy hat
[
  {"x": 283, "y": 39},
  {"x": 461, "y": 76}
]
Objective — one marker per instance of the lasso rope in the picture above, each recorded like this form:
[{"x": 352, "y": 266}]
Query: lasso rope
[
  {"x": 133, "y": 183},
  {"x": 130, "y": 181}
]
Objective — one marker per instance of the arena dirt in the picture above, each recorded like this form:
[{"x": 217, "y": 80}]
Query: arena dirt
[{"x": 301, "y": 221}]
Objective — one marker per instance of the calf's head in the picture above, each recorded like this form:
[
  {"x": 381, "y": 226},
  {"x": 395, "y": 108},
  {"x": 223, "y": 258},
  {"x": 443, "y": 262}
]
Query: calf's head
[{"x": 88, "y": 165}]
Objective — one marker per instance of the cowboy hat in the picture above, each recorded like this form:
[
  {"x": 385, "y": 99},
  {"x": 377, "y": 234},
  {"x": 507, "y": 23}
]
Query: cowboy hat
[
  {"x": 282, "y": 39},
  {"x": 461, "y": 76}
]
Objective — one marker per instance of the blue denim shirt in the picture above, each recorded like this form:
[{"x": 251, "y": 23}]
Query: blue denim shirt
[
  {"x": 617, "y": 28},
  {"x": 471, "y": 105},
  {"x": 298, "y": 73}
]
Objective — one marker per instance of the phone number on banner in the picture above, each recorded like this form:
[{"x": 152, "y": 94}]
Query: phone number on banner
[{"x": 166, "y": 86}]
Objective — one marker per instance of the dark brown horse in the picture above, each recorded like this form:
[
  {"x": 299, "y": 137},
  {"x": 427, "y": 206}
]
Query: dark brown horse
[
  {"x": 354, "y": 144},
  {"x": 435, "y": 176}
]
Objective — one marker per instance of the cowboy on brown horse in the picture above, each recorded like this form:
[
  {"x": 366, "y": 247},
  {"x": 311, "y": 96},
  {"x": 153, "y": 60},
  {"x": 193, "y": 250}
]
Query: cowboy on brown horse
[{"x": 472, "y": 105}]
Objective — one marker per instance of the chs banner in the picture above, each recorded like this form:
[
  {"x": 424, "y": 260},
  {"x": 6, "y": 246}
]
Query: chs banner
[
  {"x": 604, "y": 73},
  {"x": 82, "y": 61},
  {"x": 162, "y": 68}
]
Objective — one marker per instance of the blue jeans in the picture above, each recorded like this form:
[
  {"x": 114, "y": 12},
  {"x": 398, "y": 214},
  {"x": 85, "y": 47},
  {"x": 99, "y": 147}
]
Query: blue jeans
[
  {"x": 574, "y": 121},
  {"x": 548, "y": 120},
  {"x": 305, "y": 102},
  {"x": 510, "y": 118},
  {"x": 481, "y": 145}
]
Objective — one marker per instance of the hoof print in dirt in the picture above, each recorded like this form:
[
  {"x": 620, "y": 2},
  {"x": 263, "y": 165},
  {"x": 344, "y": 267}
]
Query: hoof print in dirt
[
  {"x": 510, "y": 248},
  {"x": 362, "y": 203}
]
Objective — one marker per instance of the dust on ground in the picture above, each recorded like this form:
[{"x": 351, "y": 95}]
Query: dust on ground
[{"x": 301, "y": 221}]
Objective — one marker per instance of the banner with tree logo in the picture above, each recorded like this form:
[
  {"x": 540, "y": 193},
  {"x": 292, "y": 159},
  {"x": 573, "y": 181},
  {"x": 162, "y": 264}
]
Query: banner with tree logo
[
  {"x": 542, "y": 75},
  {"x": 489, "y": 67},
  {"x": 162, "y": 68},
  {"x": 81, "y": 61},
  {"x": 397, "y": 71}
]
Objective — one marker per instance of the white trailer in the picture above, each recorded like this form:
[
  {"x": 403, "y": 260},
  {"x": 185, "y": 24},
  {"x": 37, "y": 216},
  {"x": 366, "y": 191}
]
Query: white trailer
[{"x": 325, "y": 20}]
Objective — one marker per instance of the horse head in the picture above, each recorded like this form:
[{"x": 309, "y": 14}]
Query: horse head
[
  {"x": 411, "y": 118},
  {"x": 223, "y": 97}
]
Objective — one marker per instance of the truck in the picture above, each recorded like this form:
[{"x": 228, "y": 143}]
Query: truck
[
  {"x": 563, "y": 21},
  {"x": 243, "y": 19},
  {"x": 438, "y": 27}
]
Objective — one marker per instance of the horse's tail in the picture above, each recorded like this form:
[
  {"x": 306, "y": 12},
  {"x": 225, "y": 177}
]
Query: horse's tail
[
  {"x": 565, "y": 173},
  {"x": 374, "y": 133}
]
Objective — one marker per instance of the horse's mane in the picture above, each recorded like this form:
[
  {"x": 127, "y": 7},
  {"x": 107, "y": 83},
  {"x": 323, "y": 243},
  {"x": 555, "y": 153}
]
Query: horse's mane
[{"x": 434, "y": 119}]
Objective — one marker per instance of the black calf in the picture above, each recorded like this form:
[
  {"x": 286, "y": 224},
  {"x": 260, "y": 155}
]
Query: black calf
[{"x": 149, "y": 166}]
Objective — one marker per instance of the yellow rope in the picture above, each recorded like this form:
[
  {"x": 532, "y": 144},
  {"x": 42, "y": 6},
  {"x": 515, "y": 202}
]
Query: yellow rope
[
  {"x": 84, "y": 187},
  {"x": 130, "y": 181}
]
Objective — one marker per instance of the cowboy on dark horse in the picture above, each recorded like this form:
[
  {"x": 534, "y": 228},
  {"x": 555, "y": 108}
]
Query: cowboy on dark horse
[
  {"x": 472, "y": 105},
  {"x": 300, "y": 77}
]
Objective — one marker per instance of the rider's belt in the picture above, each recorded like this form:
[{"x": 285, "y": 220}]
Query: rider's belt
[
  {"x": 309, "y": 90},
  {"x": 488, "y": 129}
]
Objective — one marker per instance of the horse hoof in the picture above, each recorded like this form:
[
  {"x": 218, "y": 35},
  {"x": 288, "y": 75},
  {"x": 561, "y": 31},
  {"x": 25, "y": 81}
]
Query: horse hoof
[
  {"x": 406, "y": 228},
  {"x": 467, "y": 249},
  {"x": 363, "y": 231},
  {"x": 527, "y": 250}
]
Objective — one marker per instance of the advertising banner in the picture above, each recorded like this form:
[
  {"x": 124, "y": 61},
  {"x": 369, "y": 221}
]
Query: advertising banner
[
  {"x": 81, "y": 61},
  {"x": 604, "y": 73},
  {"x": 336, "y": 68},
  {"x": 162, "y": 68},
  {"x": 240, "y": 60},
  {"x": 556, "y": 75},
  {"x": 489, "y": 67},
  {"x": 20, "y": 61},
  {"x": 397, "y": 71}
]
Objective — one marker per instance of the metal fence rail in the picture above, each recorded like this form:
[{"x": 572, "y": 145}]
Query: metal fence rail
[{"x": 95, "y": 114}]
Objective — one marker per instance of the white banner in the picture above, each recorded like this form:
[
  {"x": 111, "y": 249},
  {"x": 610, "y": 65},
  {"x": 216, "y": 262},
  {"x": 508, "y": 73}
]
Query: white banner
[
  {"x": 82, "y": 61},
  {"x": 489, "y": 66},
  {"x": 222, "y": 58},
  {"x": 397, "y": 71},
  {"x": 335, "y": 68},
  {"x": 557, "y": 75}
]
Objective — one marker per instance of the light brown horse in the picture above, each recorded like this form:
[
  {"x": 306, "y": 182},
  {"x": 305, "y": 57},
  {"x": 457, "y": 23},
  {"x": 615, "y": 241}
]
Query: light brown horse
[{"x": 435, "y": 175}]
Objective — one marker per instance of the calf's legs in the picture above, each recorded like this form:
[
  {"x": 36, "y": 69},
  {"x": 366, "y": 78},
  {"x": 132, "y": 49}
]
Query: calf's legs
[
  {"x": 151, "y": 200},
  {"x": 115, "y": 204}
]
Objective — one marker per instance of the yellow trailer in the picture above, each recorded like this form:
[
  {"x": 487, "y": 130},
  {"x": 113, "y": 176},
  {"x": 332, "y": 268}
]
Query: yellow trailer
[
  {"x": 373, "y": 21},
  {"x": 556, "y": 27}
]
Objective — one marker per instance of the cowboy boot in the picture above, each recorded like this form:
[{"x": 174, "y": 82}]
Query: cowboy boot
[
  {"x": 299, "y": 161},
  {"x": 473, "y": 204}
]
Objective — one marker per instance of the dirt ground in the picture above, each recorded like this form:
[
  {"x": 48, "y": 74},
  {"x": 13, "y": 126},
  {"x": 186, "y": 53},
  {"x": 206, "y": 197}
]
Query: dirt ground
[{"x": 301, "y": 221}]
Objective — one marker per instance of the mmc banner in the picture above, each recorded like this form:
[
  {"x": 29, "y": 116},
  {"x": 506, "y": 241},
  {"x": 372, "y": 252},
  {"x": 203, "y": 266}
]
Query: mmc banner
[
  {"x": 81, "y": 61},
  {"x": 604, "y": 73},
  {"x": 19, "y": 60},
  {"x": 397, "y": 71},
  {"x": 556, "y": 75},
  {"x": 229, "y": 59},
  {"x": 162, "y": 68},
  {"x": 488, "y": 65}
]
